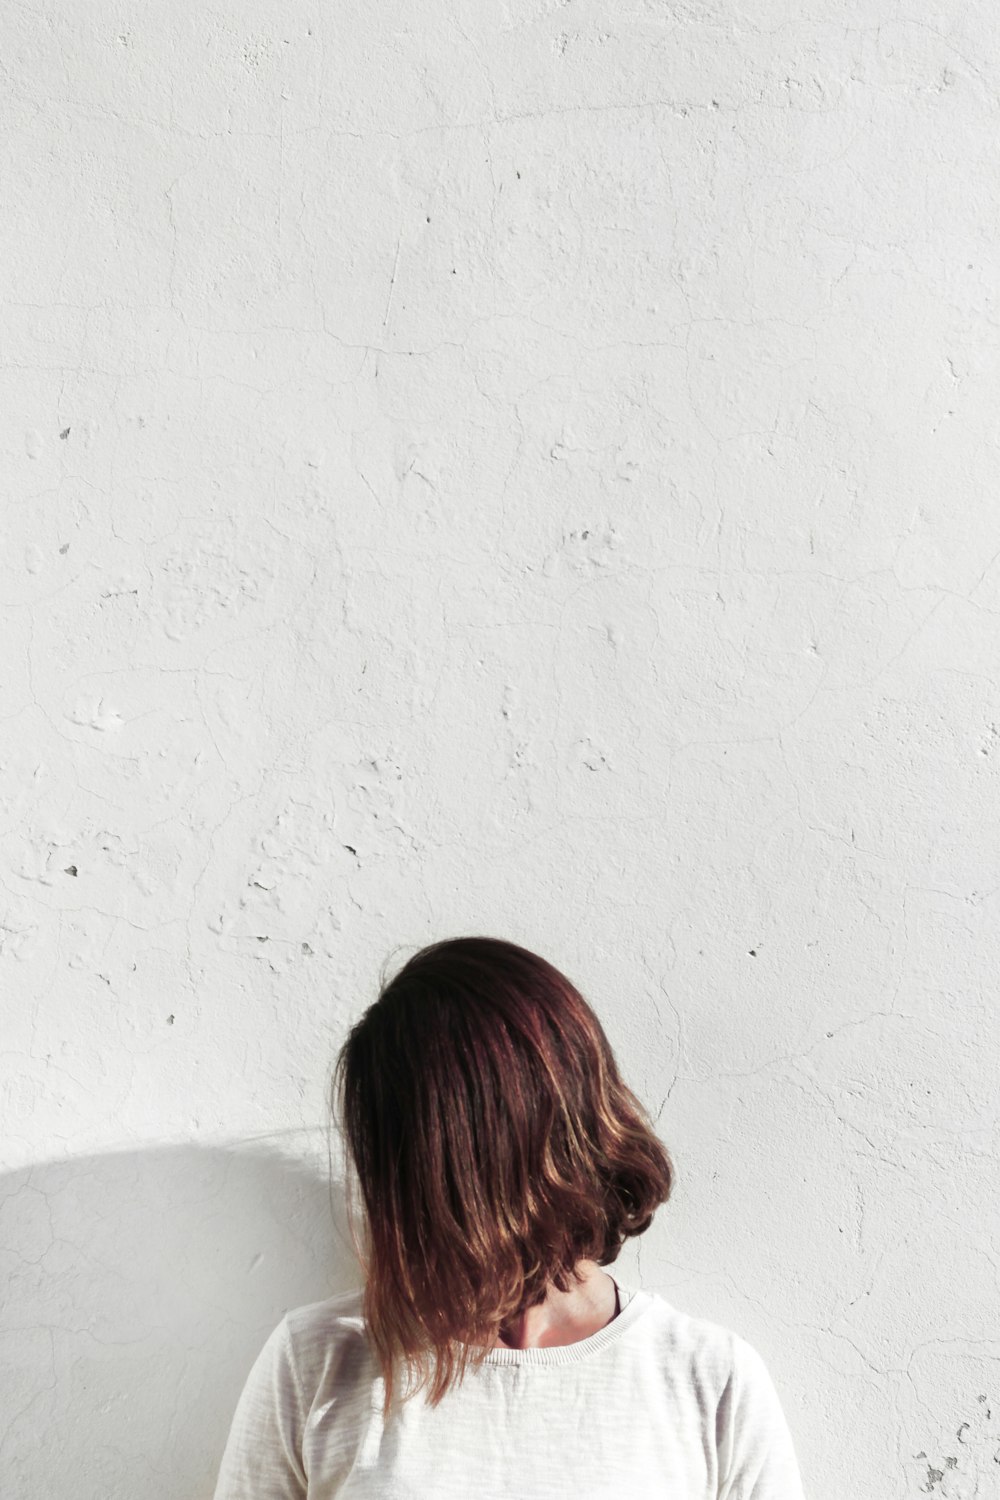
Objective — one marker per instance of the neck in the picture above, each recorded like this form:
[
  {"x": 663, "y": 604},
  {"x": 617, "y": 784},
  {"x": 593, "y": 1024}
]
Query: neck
[{"x": 565, "y": 1317}]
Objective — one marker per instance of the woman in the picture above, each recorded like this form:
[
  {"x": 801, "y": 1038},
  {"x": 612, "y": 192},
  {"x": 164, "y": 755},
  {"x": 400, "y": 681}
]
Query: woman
[{"x": 502, "y": 1163}]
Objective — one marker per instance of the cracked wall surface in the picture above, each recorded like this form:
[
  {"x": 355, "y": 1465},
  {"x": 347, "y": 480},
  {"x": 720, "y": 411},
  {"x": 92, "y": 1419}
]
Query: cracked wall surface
[{"x": 529, "y": 470}]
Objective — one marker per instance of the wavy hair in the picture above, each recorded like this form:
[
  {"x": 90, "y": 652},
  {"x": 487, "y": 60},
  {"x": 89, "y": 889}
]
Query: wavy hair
[{"x": 495, "y": 1146}]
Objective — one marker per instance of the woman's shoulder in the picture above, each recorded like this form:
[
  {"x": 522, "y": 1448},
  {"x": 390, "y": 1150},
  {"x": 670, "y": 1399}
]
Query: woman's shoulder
[
  {"x": 697, "y": 1341},
  {"x": 715, "y": 1357},
  {"x": 342, "y": 1310},
  {"x": 326, "y": 1337}
]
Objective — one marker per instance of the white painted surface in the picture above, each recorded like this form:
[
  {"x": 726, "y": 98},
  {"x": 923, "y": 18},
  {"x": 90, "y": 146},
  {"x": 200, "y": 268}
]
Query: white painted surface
[{"x": 532, "y": 470}]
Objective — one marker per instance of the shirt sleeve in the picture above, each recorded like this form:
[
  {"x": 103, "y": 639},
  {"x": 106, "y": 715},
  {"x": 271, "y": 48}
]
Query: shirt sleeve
[
  {"x": 756, "y": 1454},
  {"x": 263, "y": 1454}
]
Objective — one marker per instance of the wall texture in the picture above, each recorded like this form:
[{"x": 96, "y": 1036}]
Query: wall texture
[{"x": 530, "y": 469}]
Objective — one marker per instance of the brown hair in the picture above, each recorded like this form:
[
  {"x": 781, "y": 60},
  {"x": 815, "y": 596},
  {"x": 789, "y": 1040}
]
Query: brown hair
[{"x": 495, "y": 1145}]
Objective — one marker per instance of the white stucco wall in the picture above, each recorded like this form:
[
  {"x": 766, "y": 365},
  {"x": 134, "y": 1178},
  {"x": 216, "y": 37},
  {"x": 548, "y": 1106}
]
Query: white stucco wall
[{"x": 527, "y": 469}]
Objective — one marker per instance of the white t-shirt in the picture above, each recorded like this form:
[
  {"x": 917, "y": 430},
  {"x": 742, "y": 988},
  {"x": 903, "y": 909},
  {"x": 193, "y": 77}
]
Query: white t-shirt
[{"x": 656, "y": 1405}]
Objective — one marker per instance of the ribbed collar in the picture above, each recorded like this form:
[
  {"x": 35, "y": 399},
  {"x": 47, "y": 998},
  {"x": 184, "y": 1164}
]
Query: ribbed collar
[{"x": 635, "y": 1304}]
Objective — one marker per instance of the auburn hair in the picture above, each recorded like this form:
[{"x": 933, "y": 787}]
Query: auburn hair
[{"x": 495, "y": 1146}]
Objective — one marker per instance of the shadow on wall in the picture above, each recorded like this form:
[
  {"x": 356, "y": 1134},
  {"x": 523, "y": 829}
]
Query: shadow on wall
[{"x": 138, "y": 1288}]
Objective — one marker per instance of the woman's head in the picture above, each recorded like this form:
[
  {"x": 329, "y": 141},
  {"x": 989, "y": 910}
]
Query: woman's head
[{"x": 495, "y": 1147}]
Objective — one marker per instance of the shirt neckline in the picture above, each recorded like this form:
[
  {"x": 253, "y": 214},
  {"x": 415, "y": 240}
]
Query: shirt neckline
[{"x": 636, "y": 1302}]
